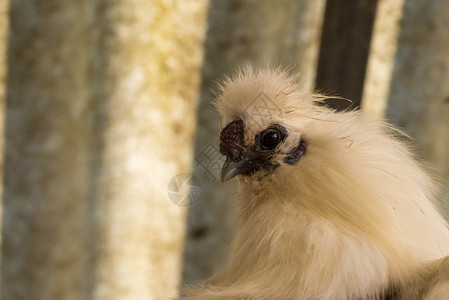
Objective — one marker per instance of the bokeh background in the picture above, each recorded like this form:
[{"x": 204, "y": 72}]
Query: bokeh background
[{"x": 103, "y": 103}]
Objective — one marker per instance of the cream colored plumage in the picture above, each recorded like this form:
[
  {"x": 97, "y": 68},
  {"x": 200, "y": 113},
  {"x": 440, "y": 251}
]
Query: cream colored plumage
[{"x": 354, "y": 217}]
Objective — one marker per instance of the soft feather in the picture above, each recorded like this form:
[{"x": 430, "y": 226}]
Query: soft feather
[{"x": 354, "y": 218}]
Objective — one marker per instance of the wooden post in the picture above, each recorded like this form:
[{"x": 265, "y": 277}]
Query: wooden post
[
  {"x": 45, "y": 249},
  {"x": 419, "y": 94},
  {"x": 345, "y": 44}
]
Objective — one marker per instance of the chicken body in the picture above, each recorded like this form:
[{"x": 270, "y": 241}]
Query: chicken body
[{"x": 332, "y": 204}]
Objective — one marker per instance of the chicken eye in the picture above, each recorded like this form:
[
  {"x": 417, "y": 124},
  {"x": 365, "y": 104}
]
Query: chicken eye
[
  {"x": 270, "y": 140},
  {"x": 271, "y": 137}
]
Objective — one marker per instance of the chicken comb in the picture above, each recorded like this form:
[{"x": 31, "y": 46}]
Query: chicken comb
[{"x": 232, "y": 139}]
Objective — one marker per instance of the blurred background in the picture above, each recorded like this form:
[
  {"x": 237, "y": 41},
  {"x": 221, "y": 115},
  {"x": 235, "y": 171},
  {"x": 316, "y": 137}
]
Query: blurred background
[{"x": 109, "y": 143}]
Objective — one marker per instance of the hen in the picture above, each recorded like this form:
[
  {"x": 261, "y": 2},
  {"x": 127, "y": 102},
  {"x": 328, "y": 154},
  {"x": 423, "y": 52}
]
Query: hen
[{"x": 332, "y": 204}]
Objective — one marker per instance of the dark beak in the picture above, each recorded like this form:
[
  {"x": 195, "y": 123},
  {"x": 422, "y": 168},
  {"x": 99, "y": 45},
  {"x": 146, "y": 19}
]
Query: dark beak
[
  {"x": 249, "y": 163},
  {"x": 230, "y": 169}
]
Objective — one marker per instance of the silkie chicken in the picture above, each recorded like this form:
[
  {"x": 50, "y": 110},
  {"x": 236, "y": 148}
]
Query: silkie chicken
[{"x": 332, "y": 204}]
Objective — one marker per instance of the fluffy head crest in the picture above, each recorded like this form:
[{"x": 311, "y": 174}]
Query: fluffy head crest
[{"x": 262, "y": 97}]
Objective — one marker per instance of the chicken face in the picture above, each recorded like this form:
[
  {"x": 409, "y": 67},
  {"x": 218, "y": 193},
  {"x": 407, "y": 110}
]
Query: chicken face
[{"x": 263, "y": 156}]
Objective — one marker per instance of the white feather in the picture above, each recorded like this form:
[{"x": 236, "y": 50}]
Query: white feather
[{"x": 355, "y": 216}]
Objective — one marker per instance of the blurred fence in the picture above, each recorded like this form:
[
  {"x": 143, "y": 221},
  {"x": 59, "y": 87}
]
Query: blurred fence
[{"x": 105, "y": 115}]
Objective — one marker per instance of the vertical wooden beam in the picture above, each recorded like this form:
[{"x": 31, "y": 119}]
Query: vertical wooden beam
[
  {"x": 4, "y": 26},
  {"x": 418, "y": 99},
  {"x": 381, "y": 58},
  {"x": 153, "y": 57},
  {"x": 46, "y": 150},
  {"x": 345, "y": 44}
]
